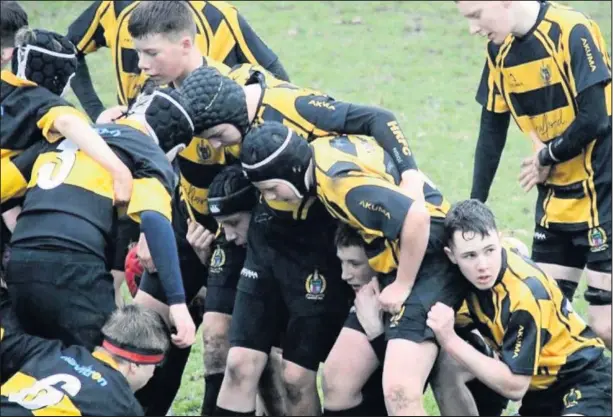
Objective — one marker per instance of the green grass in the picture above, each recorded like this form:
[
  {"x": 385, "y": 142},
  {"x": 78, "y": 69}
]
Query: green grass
[{"x": 414, "y": 58}]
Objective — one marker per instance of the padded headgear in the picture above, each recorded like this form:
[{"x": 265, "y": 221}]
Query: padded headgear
[
  {"x": 273, "y": 151},
  {"x": 44, "y": 57},
  {"x": 214, "y": 99},
  {"x": 231, "y": 192},
  {"x": 166, "y": 117}
]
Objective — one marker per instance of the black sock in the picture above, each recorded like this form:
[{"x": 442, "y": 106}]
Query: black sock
[
  {"x": 212, "y": 385},
  {"x": 223, "y": 412},
  {"x": 358, "y": 410}
]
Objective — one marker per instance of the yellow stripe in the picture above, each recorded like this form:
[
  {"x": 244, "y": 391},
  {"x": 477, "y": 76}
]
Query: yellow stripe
[
  {"x": 85, "y": 41},
  {"x": 149, "y": 194},
  {"x": 544, "y": 221},
  {"x": 12, "y": 182},
  {"x": 190, "y": 211},
  {"x": 16, "y": 81},
  {"x": 45, "y": 123},
  {"x": 593, "y": 219},
  {"x": 232, "y": 19}
]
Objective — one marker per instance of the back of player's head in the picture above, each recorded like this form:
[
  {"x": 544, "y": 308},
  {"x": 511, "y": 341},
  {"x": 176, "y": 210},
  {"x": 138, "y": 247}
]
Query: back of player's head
[
  {"x": 273, "y": 151},
  {"x": 171, "y": 19},
  {"x": 165, "y": 114},
  {"x": 231, "y": 192},
  {"x": 136, "y": 334},
  {"x": 12, "y": 18},
  {"x": 44, "y": 57},
  {"x": 469, "y": 217},
  {"x": 215, "y": 99},
  {"x": 347, "y": 236}
]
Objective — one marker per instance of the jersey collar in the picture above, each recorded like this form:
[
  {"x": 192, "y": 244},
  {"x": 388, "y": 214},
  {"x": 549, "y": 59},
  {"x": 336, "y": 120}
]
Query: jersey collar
[{"x": 106, "y": 359}]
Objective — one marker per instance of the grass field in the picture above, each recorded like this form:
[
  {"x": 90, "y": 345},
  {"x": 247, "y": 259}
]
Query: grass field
[{"x": 415, "y": 58}]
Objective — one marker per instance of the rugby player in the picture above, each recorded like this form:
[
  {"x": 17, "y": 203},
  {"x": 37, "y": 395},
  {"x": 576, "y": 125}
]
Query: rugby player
[
  {"x": 549, "y": 358},
  {"x": 220, "y": 33},
  {"x": 44, "y": 377},
  {"x": 357, "y": 182},
  {"x": 547, "y": 66},
  {"x": 223, "y": 112},
  {"x": 58, "y": 272}
]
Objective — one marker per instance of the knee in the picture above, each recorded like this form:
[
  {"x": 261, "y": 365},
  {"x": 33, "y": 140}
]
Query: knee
[
  {"x": 216, "y": 345},
  {"x": 401, "y": 396},
  {"x": 334, "y": 382},
  {"x": 600, "y": 322},
  {"x": 297, "y": 381},
  {"x": 241, "y": 368}
]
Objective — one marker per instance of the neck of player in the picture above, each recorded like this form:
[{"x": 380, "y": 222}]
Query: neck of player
[
  {"x": 253, "y": 95},
  {"x": 525, "y": 14},
  {"x": 194, "y": 61}
]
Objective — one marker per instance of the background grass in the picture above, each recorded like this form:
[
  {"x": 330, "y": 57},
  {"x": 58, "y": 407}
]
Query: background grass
[{"x": 415, "y": 58}]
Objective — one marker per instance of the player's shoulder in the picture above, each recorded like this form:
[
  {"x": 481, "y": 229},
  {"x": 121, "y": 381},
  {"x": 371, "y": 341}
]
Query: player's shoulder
[
  {"x": 525, "y": 282},
  {"x": 16, "y": 89},
  {"x": 565, "y": 16},
  {"x": 129, "y": 138}
]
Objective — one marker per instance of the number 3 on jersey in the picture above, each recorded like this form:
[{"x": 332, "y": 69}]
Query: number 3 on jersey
[{"x": 54, "y": 173}]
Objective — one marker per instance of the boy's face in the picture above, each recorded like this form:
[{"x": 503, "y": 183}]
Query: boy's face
[
  {"x": 278, "y": 190},
  {"x": 479, "y": 258},
  {"x": 491, "y": 19},
  {"x": 163, "y": 57},
  {"x": 235, "y": 227},
  {"x": 356, "y": 270}
]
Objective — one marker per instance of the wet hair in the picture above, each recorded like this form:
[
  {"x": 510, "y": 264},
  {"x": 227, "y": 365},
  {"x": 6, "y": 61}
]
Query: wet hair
[
  {"x": 231, "y": 192},
  {"x": 346, "y": 236},
  {"x": 12, "y": 18},
  {"x": 469, "y": 217},
  {"x": 167, "y": 18}
]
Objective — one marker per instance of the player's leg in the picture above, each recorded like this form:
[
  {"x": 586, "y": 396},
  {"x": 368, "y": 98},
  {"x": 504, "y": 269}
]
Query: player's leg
[
  {"x": 254, "y": 327},
  {"x": 411, "y": 343},
  {"x": 347, "y": 369},
  {"x": 598, "y": 276},
  {"x": 272, "y": 396}
]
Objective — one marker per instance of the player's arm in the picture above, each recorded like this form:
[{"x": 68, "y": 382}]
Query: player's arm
[
  {"x": 252, "y": 49},
  {"x": 87, "y": 34},
  {"x": 493, "y": 130},
  {"x": 592, "y": 76},
  {"x": 511, "y": 375},
  {"x": 331, "y": 115},
  {"x": 150, "y": 204},
  {"x": 17, "y": 170},
  {"x": 65, "y": 121},
  {"x": 382, "y": 209}
]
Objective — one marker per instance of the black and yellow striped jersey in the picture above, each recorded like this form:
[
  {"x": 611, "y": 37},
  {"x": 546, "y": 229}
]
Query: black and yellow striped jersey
[
  {"x": 222, "y": 34},
  {"x": 69, "y": 198},
  {"x": 528, "y": 321},
  {"x": 357, "y": 181},
  {"x": 27, "y": 114},
  {"x": 43, "y": 378},
  {"x": 537, "y": 78}
]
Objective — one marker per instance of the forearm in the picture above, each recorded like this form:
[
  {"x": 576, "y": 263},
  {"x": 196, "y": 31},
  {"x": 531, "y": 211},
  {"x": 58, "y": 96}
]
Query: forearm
[
  {"x": 85, "y": 137},
  {"x": 163, "y": 247},
  {"x": 492, "y": 372},
  {"x": 83, "y": 88},
  {"x": 414, "y": 238},
  {"x": 277, "y": 69},
  {"x": 384, "y": 128},
  {"x": 592, "y": 122},
  {"x": 492, "y": 139}
]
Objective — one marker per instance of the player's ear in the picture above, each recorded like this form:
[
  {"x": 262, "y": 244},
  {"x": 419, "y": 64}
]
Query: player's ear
[
  {"x": 7, "y": 54},
  {"x": 450, "y": 255},
  {"x": 187, "y": 43}
]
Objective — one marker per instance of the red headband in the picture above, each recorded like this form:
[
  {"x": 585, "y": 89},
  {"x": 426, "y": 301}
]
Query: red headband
[{"x": 139, "y": 356}]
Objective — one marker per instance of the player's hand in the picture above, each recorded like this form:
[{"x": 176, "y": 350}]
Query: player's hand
[
  {"x": 441, "y": 319},
  {"x": 532, "y": 172},
  {"x": 111, "y": 114},
  {"x": 368, "y": 309},
  {"x": 182, "y": 321},
  {"x": 122, "y": 186},
  {"x": 200, "y": 238},
  {"x": 412, "y": 184},
  {"x": 143, "y": 254},
  {"x": 393, "y": 296}
]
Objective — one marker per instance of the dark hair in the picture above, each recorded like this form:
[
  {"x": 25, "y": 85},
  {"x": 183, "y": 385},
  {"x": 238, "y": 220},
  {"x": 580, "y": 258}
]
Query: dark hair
[
  {"x": 12, "y": 18},
  {"x": 168, "y": 18},
  {"x": 229, "y": 181},
  {"x": 346, "y": 236},
  {"x": 469, "y": 217}
]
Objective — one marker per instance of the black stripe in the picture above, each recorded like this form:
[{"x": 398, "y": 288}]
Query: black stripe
[
  {"x": 206, "y": 35},
  {"x": 569, "y": 192},
  {"x": 120, "y": 6},
  {"x": 539, "y": 101},
  {"x": 271, "y": 114},
  {"x": 99, "y": 32},
  {"x": 213, "y": 16},
  {"x": 198, "y": 175},
  {"x": 343, "y": 144},
  {"x": 129, "y": 61},
  {"x": 117, "y": 56},
  {"x": 505, "y": 308},
  {"x": 554, "y": 32},
  {"x": 527, "y": 51}
]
